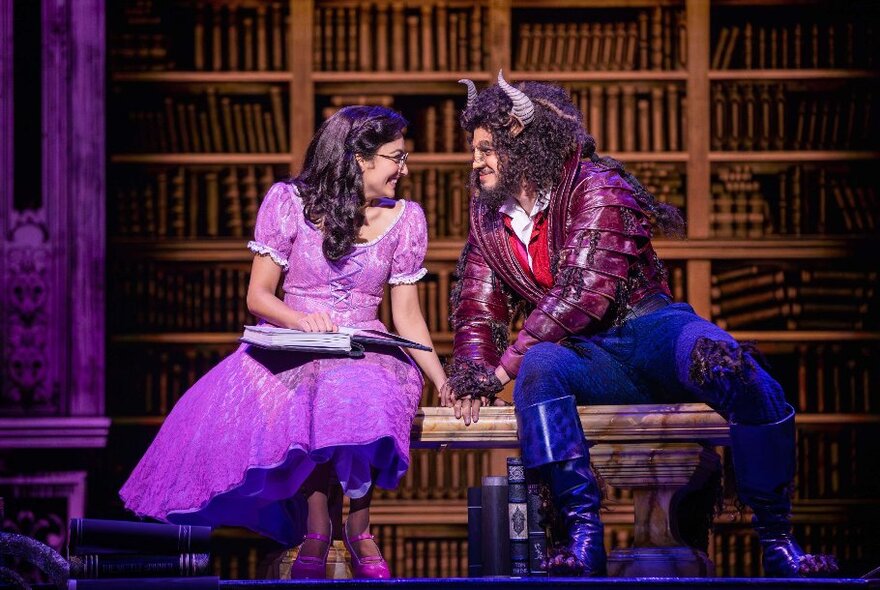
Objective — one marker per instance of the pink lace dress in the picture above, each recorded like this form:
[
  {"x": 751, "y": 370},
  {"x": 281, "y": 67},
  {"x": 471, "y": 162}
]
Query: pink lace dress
[{"x": 241, "y": 441}]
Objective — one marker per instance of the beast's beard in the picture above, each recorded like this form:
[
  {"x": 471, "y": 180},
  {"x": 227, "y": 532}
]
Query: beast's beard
[{"x": 506, "y": 185}]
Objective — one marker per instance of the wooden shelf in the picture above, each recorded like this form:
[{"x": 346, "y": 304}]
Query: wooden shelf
[
  {"x": 627, "y": 157},
  {"x": 396, "y": 83},
  {"x": 783, "y": 336},
  {"x": 448, "y": 250},
  {"x": 836, "y": 419},
  {"x": 793, "y": 156},
  {"x": 201, "y": 159},
  {"x": 415, "y": 77},
  {"x": 228, "y": 249},
  {"x": 444, "y": 339},
  {"x": 763, "y": 248},
  {"x": 766, "y": 2},
  {"x": 780, "y": 74},
  {"x": 602, "y": 76},
  {"x": 593, "y": 3},
  {"x": 207, "y": 338},
  {"x": 800, "y": 419},
  {"x": 419, "y": 159},
  {"x": 428, "y": 158},
  {"x": 203, "y": 77}
]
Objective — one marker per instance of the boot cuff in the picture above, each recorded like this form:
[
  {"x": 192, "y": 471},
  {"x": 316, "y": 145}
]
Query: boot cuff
[{"x": 550, "y": 431}]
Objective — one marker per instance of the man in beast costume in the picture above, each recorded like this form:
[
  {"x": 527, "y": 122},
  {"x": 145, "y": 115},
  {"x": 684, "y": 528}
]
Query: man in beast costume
[{"x": 571, "y": 240}]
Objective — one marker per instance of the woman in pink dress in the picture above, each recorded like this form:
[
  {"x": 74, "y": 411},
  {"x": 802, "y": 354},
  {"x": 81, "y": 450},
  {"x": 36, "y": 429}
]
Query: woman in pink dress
[{"x": 257, "y": 440}]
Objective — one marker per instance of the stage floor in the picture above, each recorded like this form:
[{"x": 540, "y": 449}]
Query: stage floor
[{"x": 561, "y": 583}]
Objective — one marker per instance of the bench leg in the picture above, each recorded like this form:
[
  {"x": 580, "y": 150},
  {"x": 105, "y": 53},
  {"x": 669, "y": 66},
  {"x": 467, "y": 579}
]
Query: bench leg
[{"x": 660, "y": 475}]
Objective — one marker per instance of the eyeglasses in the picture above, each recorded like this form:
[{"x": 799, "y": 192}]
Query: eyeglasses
[{"x": 399, "y": 160}]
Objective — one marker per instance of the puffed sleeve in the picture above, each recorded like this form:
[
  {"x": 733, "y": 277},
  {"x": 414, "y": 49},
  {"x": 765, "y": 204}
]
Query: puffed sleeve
[
  {"x": 406, "y": 263},
  {"x": 277, "y": 222}
]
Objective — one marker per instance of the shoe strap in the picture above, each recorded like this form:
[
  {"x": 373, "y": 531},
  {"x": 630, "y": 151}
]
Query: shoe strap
[
  {"x": 361, "y": 537},
  {"x": 318, "y": 537}
]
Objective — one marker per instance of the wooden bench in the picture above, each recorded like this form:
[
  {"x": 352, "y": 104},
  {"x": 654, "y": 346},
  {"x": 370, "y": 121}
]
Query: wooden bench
[{"x": 662, "y": 452}]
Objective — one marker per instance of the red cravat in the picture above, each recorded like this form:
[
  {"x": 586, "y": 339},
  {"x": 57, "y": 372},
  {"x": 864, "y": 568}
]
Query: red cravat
[{"x": 538, "y": 248}]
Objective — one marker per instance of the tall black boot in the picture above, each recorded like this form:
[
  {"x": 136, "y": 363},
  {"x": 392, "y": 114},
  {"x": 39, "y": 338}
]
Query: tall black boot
[
  {"x": 764, "y": 463},
  {"x": 552, "y": 439}
]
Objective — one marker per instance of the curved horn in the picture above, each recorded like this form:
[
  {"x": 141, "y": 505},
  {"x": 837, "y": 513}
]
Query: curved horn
[
  {"x": 523, "y": 109},
  {"x": 472, "y": 92}
]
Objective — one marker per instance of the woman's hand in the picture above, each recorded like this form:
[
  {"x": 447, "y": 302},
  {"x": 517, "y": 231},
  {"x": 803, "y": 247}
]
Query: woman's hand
[
  {"x": 315, "y": 322},
  {"x": 447, "y": 395}
]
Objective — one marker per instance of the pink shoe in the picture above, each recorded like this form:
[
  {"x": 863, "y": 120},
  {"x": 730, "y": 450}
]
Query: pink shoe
[
  {"x": 373, "y": 567},
  {"x": 311, "y": 568}
]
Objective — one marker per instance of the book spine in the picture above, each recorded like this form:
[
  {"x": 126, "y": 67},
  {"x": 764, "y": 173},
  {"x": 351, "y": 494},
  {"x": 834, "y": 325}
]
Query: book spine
[
  {"x": 537, "y": 534},
  {"x": 496, "y": 544},
  {"x": 475, "y": 528},
  {"x": 517, "y": 517},
  {"x": 278, "y": 30},
  {"x": 89, "y": 536},
  {"x": 136, "y": 566}
]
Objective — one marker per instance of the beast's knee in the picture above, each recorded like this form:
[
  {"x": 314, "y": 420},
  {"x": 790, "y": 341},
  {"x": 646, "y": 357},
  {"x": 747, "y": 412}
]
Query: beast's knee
[
  {"x": 746, "y": 392},
  {"x": 539, "y": 374}
]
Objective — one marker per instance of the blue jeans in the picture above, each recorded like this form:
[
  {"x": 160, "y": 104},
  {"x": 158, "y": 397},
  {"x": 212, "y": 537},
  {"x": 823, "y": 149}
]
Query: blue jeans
[{"x": 670, "y": 355}]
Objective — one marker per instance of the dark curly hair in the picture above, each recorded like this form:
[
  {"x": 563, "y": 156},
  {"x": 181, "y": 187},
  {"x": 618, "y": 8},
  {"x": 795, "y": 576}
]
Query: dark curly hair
[
  {"x": 537, "y": 153},
  {"x": 331, "y": 182}
]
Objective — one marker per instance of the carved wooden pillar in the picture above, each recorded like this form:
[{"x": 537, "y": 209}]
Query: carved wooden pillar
[{"x": 52, "y": 241}]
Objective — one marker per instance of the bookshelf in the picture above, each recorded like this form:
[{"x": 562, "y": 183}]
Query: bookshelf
[{"x": 661, "y": 65}]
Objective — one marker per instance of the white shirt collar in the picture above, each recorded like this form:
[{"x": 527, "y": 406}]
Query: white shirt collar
[
  {"x": 512, "y": 208},
  {"x": 522, "y": 223}
]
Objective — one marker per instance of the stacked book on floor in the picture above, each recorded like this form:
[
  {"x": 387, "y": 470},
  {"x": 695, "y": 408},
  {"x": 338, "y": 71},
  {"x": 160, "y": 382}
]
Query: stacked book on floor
[
  {"x": 507, "y": 534},
  {"x": 105, "y": 554}
]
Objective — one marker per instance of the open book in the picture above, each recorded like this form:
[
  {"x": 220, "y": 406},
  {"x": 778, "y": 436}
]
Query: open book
[{"x": 347, "y": 341}]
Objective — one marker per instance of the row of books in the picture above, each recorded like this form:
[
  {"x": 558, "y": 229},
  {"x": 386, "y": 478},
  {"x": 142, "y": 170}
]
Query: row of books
[
  {"x": 792, "y": 200},
  {"x": 767, "y": 297},
  {"x": 122, "y": 552},
  {"x": 822, "y": 43},
  {"x": 165, "y": 296},
  {"x": 654, "y": 40},
  {"x": 738, "y": 207},
  {"x": 835, "y": 463},
  {"x": 837, "y": 378},
  {"x": 137, "y": 40},
  {"x": 814, "y": 200},
  {"x": 161, "y": 297},
  {"x": 434, "y": 120},
  {"x": 736, "y": 551},
  {"x": 665, "y": 181},
  {"x": 441, "y": 551},
  {"x": 433, "y": 299},
  {"x": 440, "y": 476},
  {"x": 223, "y": 201},
  {"x": 240, "y": 38},
  {"x": 190, "y": 202},
  {"x": 633, "y": 118},
  {"x": 828, "y": 465},
  {"x": 208, "y": 124},
  {"x": 200, "y": 37},
  {"x": 444, "y": 193},
  {"x": 510, "y": 525},
  {"x": 140, "y": 51},
  {"x": 751, "y": 116},
  {"x": 396, "y": 37},
  {"x": 154, "y": 377},
  {"x": 156, "y": 296},
  {"x": 506, "y": 535},
  {"x": 424, "y": 556}
]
